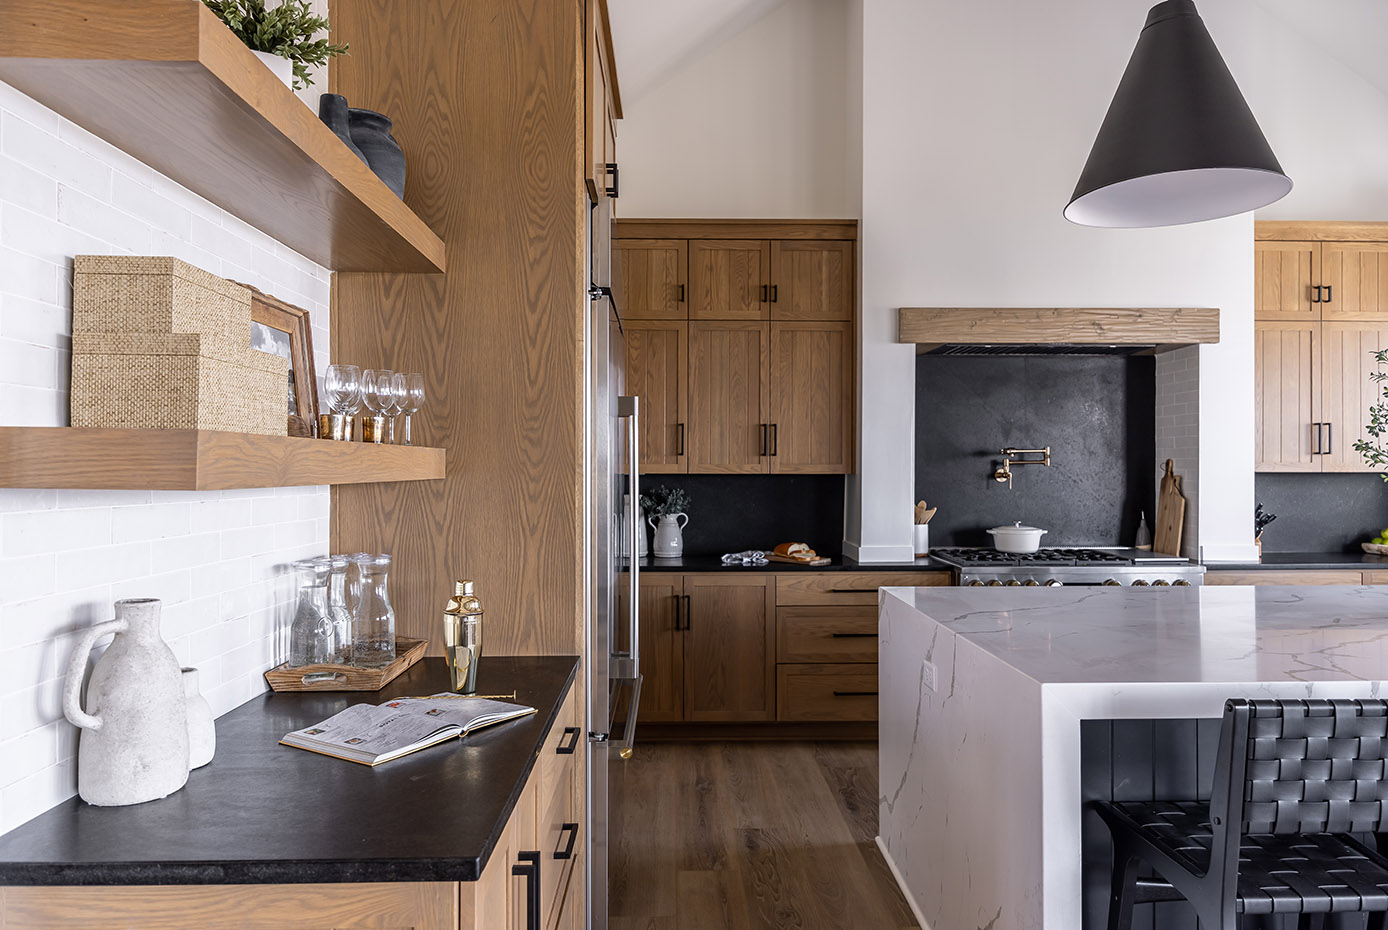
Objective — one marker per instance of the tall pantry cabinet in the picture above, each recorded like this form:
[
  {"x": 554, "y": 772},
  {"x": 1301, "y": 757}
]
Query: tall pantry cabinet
[{"x": 1320, "y": 314}]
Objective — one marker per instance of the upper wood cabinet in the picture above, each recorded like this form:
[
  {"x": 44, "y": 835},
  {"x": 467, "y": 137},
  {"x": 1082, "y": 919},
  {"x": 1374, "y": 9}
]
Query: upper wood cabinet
[
  {"x": 1283, "y": 275},
  {"x": 1321, "y": 271},
  {"x": 1347, "y": 392},
  {"x": 1286, "y": 358},
  {"x": 649, "y": 278},
  {"x": 1355, "y": 279},
  {"x": 728, "y": 389},
  {"x": 729, "y": 279},
  {"x": 812, "y": 280},
  {"x": 602, "y": 105},
  {"x": 657, "y": 355},
  {"x": 811, "y": 397}
]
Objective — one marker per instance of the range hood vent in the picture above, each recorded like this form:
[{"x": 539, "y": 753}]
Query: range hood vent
[
  {"x": 1054, "y": 348},
  {"x": 1055, "y": 330}
]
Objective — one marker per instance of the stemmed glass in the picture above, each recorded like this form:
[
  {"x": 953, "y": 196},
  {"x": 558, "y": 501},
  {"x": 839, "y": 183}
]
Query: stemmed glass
[
  {"x": 414, "y": 399},
  {"x": 342, "y": 385},
  {"x": 397, "y": 393},
  {"x": 378, "y": 396}
]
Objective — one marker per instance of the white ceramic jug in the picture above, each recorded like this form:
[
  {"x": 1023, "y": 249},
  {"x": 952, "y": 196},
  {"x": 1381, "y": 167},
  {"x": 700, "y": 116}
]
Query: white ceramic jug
[
  {"x": 669, "y": 538},
  {"x": 134, "y": 747},
  {"x": 202, "y": 726}
]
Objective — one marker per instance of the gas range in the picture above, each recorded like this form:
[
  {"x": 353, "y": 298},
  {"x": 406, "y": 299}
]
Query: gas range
[{"x": 1111, "y": 566}]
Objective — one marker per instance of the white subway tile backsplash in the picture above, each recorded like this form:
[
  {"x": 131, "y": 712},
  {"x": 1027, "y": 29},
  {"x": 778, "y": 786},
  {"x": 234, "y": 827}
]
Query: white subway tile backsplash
[{"x": 218, "y": 559}]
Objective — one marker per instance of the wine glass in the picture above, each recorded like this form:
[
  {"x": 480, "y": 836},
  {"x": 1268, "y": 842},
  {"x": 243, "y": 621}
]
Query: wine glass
[
  {"x": 342, "y": 385},
  {"x": 397, "y": 393},
  {"x": 376, "y": 394},
  {"x": 414, "y": 399}
]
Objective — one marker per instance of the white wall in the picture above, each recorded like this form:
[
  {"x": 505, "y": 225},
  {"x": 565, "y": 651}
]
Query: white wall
[
  {"x": 977, "y": 120},
  {"x": 215, "y": 558},
  {"x": 752, "y": 127}
]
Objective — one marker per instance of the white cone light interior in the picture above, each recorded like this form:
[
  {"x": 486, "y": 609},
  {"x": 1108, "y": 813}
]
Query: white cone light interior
[{"x": 1178, "y": 197}]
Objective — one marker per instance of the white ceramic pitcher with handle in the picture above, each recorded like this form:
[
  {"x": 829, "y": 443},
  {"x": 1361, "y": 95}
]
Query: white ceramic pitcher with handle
[
  {"x": 669, "y": 536},
  {"x": 134, "y": 744}
]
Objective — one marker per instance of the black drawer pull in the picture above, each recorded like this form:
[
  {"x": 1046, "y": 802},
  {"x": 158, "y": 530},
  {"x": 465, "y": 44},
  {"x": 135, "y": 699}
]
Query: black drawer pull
[
  {"x": 532, "y": 886},
  {"x": 852, "y": 635},
  {"x": 855, "y": 694},
  {"x": 564, "y": 749},
  {"x": 852, "y": 590},
  {"x": 568, "y": 851}
]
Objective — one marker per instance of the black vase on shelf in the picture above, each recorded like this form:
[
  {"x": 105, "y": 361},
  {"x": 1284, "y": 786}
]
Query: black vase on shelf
[
  {"x": 371, "y": 132},
  {"x": 333, "y": 111}
]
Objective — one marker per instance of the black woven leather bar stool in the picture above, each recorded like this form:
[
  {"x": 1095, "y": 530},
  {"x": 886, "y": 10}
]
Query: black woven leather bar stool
[{"x": 1292, "y": 781}]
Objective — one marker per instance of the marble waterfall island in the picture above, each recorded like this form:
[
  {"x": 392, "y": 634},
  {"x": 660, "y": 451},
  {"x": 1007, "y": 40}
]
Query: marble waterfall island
[{"x": 989, "y": 695}]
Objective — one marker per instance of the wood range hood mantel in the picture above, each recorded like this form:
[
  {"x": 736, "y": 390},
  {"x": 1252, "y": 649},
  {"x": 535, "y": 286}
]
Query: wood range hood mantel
[{"x": 1022, "y": 330}]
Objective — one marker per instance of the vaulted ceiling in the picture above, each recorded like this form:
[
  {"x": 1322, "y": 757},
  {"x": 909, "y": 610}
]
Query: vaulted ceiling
[{"x": 1353, "y": 32}]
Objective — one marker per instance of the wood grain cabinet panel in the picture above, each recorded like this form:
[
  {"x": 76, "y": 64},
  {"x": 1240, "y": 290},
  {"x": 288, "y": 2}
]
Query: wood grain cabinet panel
[
  {"x": 828, "y": 693},
  {"x": 729, "y": 650},
  {"x": 1347, "y": 391},
  {"x": 729, "y": 279},
  {"x": 826, "y": 634},
  {"x": 1356, "y": 275},
  {"x": 1286, "y": 356},
  {"x": 811, "y": 396},
  {"x": 1284, "y": 277},
  {"x": 662, "y": 648},
  {"x": 850, "y": 588},
  {"x": 657, "y": 372},
  {"x": 1293, "y": 577},
  {"x": 649, "y": 278},
  {"x": 728, "y": 366},
  {"x": 812, "y": 280}
]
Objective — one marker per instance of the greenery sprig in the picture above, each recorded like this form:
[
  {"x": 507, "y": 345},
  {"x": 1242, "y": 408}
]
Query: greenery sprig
[
  {"x": 1373, "y": 451},
  {"x": 664, "y": 502},
  {"x": 286, "y": 30}
]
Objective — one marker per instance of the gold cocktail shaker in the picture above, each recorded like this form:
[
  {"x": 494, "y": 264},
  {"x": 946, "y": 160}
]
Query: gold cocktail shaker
[{"x": 462, "y": 636}]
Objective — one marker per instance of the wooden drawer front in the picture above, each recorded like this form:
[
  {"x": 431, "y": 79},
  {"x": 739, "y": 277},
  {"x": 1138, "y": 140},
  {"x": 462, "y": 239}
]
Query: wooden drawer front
[
  {"x": 857, "y": 588},
  {"x": 826, "y": 634},
  {"x": 826, "y": 692},
  {"x": 554, "y": 769},
  {"x": 559, "y": 843},
  {"x": 1376, "y": 578},
  {"x": 1307, "y": 576}
]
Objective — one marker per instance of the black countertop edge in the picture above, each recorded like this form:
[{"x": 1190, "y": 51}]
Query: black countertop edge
[
  {"x": 714, "y": 563},
  {"x": 273, "y": 803},
  {"x": 1305, "y": 561}
]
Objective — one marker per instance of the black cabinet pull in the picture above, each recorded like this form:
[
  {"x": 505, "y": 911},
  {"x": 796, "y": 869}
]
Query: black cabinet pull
[
  {"x": 567, "y": 749},
  {"x": 774, "y": 292},
  {"x": 681, "y": 300},
  {"x": 775, "y": 437},
  {"x": 852, "y": 635},
  {"x": 1329, "y": 439},
  {"x": 688, "y": 612},
  {"x": 680, "y": 427},
  {"x": 762, "y": 450},
  {"x": 1316, "y": 432},
  {"x": 1317, "y": 298},
  {"x": 765, "y": 293},
  {"x": 852, "y": 590},
  {"x": 532, "y": 886},
  {"x": 679, "y": 613},
  {"x": 855, "y": 694},
  {"x": 1329, "y": 293},
  {"x": 612, "y": 170},
  {"x": 568, "y": 851}
]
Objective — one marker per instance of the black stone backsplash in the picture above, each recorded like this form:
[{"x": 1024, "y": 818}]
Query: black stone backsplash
[
  {"x": 1098, "y": 415},
  {"x": 730, "y": 513},
  {"x": 1321, "y": 513}
]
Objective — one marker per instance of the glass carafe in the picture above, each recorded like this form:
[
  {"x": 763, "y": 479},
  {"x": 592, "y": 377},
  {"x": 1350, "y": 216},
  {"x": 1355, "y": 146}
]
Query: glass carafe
[
  {"x": 337, "y": 602},
  {"x": 312, "y": 636},
  {"x": 373, "y": 626}
]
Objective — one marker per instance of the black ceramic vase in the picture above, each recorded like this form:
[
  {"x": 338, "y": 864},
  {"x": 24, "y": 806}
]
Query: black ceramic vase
[
  {"x": 332, "y": 110},
  {"x": 371, "y": 133}
]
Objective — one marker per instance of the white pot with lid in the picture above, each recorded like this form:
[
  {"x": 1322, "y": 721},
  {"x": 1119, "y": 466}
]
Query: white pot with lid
[{"x": 1016, "y": 538}]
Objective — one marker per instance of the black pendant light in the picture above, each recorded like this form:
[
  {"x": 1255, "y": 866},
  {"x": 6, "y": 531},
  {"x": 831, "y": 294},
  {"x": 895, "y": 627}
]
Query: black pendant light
[{"x": 1179, "y": 144}]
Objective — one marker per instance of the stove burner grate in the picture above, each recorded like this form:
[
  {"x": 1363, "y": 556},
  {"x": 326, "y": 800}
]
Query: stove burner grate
[{"x": 1058, "y": 556}]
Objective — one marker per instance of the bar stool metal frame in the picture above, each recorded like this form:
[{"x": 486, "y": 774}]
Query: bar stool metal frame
[{"x": 1292, "y": 781}]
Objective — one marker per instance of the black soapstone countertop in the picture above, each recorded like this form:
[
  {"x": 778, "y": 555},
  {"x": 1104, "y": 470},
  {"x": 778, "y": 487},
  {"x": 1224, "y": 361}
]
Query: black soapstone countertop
[
  {"x": 271, "y": 814},
  {"x": 1292, "y": 561},
  {"x": 714, "y": 563}
]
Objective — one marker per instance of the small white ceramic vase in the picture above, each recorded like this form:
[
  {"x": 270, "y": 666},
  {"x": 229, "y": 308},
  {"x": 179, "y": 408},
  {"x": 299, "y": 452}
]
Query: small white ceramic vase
[
  {"x": 921, "y": 537},
  {"x": 282, "y": 67},
  {"x": 134, "y": 744},
  {"x": 202, "y": 727},
  {"x": 669, "y": 536},
  {"x": 643, "y": 546}
]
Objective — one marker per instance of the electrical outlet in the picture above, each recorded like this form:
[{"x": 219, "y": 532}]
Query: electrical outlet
[{"x": 929, "y": 674}]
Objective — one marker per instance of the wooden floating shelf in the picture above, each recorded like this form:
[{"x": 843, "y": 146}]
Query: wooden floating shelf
[
  {"x": 198, "y": 460},
  {"x": 1162, "y": 328},
  {"x": 167, "y": 82}
]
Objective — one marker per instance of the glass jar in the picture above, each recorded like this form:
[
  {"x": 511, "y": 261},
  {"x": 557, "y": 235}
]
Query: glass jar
[
  {"x": 354, "y": 580},
  {"x": 337, "y": 602},
  {"x": 312, "y": 635},
  {"x": 373, "y": 626}
]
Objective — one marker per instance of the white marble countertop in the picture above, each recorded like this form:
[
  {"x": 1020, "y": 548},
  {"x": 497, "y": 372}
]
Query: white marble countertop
[{"x": 1170, "y": 635}]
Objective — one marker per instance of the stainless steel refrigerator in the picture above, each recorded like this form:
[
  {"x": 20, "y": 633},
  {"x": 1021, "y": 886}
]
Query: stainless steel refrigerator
[{"x": 613, "y": 673}]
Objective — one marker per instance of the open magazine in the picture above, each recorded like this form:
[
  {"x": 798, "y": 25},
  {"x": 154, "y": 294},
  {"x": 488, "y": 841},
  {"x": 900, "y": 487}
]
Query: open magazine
[{"x": 376, "y": 733}]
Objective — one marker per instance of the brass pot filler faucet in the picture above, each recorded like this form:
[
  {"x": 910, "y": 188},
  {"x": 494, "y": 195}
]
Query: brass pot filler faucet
[{"x": 1009, "y": 454}]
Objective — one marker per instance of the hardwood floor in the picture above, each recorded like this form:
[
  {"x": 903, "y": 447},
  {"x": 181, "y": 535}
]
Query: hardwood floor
[{"x": 750, "y": 835}]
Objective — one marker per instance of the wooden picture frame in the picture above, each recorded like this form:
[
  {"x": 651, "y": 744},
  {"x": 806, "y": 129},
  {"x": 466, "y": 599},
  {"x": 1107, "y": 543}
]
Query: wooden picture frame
[{"x": 269, "y": 316}]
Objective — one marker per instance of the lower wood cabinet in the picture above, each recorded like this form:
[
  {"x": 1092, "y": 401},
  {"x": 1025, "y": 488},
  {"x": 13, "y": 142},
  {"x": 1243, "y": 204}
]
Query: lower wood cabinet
[{"x": 1295, "y": 576}]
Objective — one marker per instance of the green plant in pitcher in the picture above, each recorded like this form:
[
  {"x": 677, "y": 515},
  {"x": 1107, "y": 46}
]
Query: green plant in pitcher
[
  {"x": 1372, "y": 449},
  {"x": 286, "y": 30},
  {"x": 664, "y": 502}
]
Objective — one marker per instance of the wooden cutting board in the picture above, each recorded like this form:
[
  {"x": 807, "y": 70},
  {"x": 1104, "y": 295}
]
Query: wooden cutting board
[
  {"x": 773, "y": 557},
  {"x": 1171, "y": 513}
]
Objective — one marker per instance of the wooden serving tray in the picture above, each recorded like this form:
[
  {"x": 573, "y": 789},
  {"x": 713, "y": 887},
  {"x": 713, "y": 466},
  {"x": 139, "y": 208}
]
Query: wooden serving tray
[{"x": 346, "y": 677}]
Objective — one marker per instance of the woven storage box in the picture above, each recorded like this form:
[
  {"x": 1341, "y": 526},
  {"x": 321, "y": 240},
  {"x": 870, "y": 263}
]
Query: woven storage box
[
  {"x": 144, "y": 294},
  {"x": 176, "y": 381}
]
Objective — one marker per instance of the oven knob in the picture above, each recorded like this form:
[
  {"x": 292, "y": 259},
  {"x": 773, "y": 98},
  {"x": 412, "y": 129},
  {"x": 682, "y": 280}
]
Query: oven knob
[
  {"x": 994, "y": 583},
  {"x": 1141, "y": 584},
  {"x": 1054, "y": 582},
  {"x": 975, "y": 583},
  {"x": 1031, "y": 583},
  {"x": 1181, "y": 583},
  {"x": 1161, "y": 583},
  {"x": 1111, "y": 583},
  {"x": 1012, "y": 583}
]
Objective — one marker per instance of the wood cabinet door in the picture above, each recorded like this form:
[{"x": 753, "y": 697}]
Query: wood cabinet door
[
  {"x": 662, "y": 649},
  {"x": 729, "y": 279},
  {"x": 648, "y": 278},
  {"x": 729, "y": 648},
  {"x": 812, "y": 280},
  {"x": 1284, "y": 275},
  {"x": 656, "y": 371},
  {"x": 1286, "y": 357},
  {"x": 728, "y": 365},
  {"x": 1356, "y": 275},
  {"x": 811, "y": 397},
  {"x": 1347, "y": 391},
  {"x": 595, "y": 105}
]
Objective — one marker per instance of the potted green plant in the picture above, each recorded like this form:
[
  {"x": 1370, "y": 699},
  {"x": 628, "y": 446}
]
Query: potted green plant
[
  {"x": 282, "y": 36},
  {"x": 1372, "y": 449},
  {"x": 663, "y": 508}
]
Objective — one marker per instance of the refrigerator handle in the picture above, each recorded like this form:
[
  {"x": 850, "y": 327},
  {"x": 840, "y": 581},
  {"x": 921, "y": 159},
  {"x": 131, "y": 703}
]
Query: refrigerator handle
[
  {"x": 628, "y": 743},
  {"x": 629, "y": 406}
]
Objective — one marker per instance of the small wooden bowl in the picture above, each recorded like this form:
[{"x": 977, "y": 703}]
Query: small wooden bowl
[{"x": 1374, "y": 550}]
